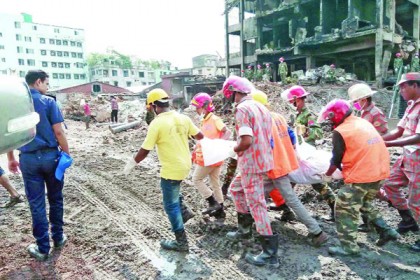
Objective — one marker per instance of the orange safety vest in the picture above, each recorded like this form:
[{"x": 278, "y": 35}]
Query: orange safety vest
[
  {"x": 209, "y": 130},
  {"x": 366, "y": 158},
  {"x": 284, "y": 155}
]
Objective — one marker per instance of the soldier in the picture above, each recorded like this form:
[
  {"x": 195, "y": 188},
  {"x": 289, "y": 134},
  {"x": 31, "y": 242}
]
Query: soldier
[
  {"x": 249, "y": 73},
  {"x": 282, "y": 70},
  {"x": 330, "y": 75},
  {"x": 415, "y": 65},
  {"x": 259, "y": 73},
  {"x": 307, "y": 126},
  {"x": 360, "y": 152},
  {"x": 406, "y": 170},
  {"x": 398, "y": 63},
  {"x": 267, "y": 72}
]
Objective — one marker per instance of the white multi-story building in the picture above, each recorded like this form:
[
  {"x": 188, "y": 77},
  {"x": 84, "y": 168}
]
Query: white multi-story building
[
  {"x": 58, "y": 50},
  {"x": 207, "y": 65}
]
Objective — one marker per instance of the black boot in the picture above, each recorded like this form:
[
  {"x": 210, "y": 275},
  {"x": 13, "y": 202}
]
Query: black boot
[
  {"x": 219, "y": 214},
  {"x": 180, "y": 244},
  {"x": 408, "y": 223},
  {"x": 245, "y": 221},
  {"x": 268, "y": 256},
  {"x": 386, "y": 233},
  {"x": 365, "y": 227},
  {"x": 225, "y": 189},
  {"x": 186, "y": 212},
  {"x": 287, "y": 215},
  {"x": 213, "y": 205}
]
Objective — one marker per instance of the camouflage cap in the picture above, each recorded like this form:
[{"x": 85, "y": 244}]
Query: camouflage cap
[{"x": 412, "y": 76}]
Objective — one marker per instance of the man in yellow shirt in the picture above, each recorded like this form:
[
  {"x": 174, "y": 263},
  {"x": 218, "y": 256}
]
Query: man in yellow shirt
[{"x": 169, "y": 132}]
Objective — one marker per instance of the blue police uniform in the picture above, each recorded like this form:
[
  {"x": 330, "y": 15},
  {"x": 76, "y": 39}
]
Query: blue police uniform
[{"x": 38, "y": 161}]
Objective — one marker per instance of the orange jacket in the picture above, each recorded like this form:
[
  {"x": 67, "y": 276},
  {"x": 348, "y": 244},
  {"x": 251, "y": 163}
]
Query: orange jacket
[
  {"x": 284, "y": 156},
  {"x": 209, "y": 129},
  {"x": 366, "y": 158}
]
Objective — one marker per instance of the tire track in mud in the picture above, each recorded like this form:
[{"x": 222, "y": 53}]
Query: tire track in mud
[{"x": 115, "y": 202}]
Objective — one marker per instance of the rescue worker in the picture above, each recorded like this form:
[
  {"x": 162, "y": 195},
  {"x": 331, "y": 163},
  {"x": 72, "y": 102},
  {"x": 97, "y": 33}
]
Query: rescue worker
[
  {"x": 249, "y": 73},
  {"x": 307, "y": 126},
  {"x": 282, "y": 71},
  {"x": 255, "y": 159},
  {"x": 169, "y": 132},
  {"x": 212, "y": 127},
  {"x": 361, "y": 154},
  {"x": 361, "y": 97},
  {"x": 267, "y": 72},
  {"x": 415, "y": 64},
  {"x": 398, "y": 63},
  {"x": 285, "y": 161},
  {"x": 259, "y": 73},
  {"x": 406, "y": 170},
  {"x": 330, "y": 75}
]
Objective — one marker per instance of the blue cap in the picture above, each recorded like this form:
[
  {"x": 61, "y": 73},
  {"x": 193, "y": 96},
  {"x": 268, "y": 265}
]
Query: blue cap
[{"x": 64, "y": 162}]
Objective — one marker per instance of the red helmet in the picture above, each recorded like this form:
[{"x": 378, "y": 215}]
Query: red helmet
[
  {"x": 294, "y": 92},
  {"x": 281, "y": 59},
  {"x": 235, "y": 83},
  {"x": 259, "y": 66},
  {"x": 203, "y": 100},
  {"x": 249, "y": 66},
  {"x": 398, "y": 54},
  {"x": 332, "y": 65},
  {"x": 335, "y": 111},
  {"x": 267, "y": 65}
]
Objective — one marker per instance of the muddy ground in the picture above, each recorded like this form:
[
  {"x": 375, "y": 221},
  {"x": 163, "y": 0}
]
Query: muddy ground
[{"x": 114, "y": 224}]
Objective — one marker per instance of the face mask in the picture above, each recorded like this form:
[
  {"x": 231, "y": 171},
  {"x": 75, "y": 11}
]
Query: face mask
[{"x": 357, "y": 106}]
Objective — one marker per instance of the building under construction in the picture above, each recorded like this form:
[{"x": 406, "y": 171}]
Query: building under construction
[{"x": 361, "y": 36}]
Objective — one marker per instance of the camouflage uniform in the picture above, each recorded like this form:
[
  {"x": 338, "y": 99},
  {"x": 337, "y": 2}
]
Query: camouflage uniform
[
  {"x": 259, "y": 75},
  {"x": 314, "y": 132},
  {"x": 267, "y": 73},
  {"x": 330, "y": 75},
  {"x": 249, "y": 74},
  {"x": 415, "y": 64},
  {"x": 398, "y": 63},
  {"x": 283, "y": 71}
]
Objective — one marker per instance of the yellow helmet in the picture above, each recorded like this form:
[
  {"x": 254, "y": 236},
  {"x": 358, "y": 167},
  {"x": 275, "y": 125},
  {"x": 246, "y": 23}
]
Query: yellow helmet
[
  {"x": 260, "y": 97},
  {"x": 155, "y": 95}
]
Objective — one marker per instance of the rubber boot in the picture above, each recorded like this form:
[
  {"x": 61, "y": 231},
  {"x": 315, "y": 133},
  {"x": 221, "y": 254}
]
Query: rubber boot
[
  {"x": 268, "y": 256},
  {"x": 386, "y": 233},
  {"x": 225, "y": 189},
  {"x": 287, "y": 215},
  {"x": 218, "y": 214},
  {"x": 213, "y": 205},
  {"x": 179, "y": 244},
  {"x": 331, "y": 217},
  {"x": 408, "y": 223},
  {"x": 186, "y": 212},
  {"x": 245, "y": 221},
  {"x": 365, "y": 227}
]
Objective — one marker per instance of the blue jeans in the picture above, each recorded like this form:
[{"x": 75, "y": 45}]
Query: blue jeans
[
  {"x": 38, "y": 171},
  {"x": 171, "y": 203}
]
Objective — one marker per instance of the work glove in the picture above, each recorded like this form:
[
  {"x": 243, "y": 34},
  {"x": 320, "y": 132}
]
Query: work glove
[
  {"x": 131, "y": 163},
  {"x": 325, "y": 178},
  {"x": 300, "y": 129}
]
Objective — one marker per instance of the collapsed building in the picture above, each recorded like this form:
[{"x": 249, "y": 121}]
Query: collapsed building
[{"x": 360, "y": 36}]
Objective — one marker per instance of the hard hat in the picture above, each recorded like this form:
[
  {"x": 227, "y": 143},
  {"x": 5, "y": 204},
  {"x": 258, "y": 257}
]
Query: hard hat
[
  {"x": 332, "y": 65},
  {"x": 334, "y": 111},
  {"x": 157, "y": 94},
  {"x": 203, "y": 100},
  {"x": 294, "y": 92},
  {"x": 267, "y": 64},
  {"x": 398, "y": 54},
  {"x": 259, "y": 66},
  {"x": 412, "y": 76},
  {"x": 249, "y": 66},
  {"x": 359, "y": 91},
  {"x": 238, "y": 84},
  {"x": 281, "y": 59},
  {"x": 259, "y": 96}
]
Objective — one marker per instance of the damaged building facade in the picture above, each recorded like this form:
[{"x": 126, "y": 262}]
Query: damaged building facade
[{"x": 360, "y": 36}]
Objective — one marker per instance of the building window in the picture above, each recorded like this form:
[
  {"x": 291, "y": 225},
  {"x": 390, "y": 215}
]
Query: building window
[
  {"x": 79, "y": 44},
  {"x": 72, "y": 43},
  {"x": 28, "y": 39},
  {"x": 1, "y": 34},
  {"x": 125, "y": 73},
  {"x": 43, "y": 52},
  {"x": 141, "y": 74},
  {"x": 2, "y": 47},
  {"x": 68, "y": 76},
  {"x": 59, "y": 53},
  {"x": 3, "y": 59},
  {"x": 54, "y": 64},
  {"x": 73, "y": 54},
  {"x": 93, "y": 72},
  {"x": 96, "y": 88},
  {"x": 76, "y": 32},
  {"x": 42, "y": 40},
  {"x": 82, "y": 76},
  {"x": 34, "y": 27},
  {"x": 151, "y": 74},
  {"x": 22, "y": 74},
  {"x": 143, "y": 83},
  {"x": 79, "y": 55},
  {"x": 106, "y": 73},
  {"x": 52, "y": 41},
  {"x": 44, "y": 64},
  {"x": 60, "y": 65},
  {"x": 52, "y": 53},
  {"x": 56, "y": 30},
  {"x": 65, "y": 43},
  {"x": 66, "y": 54},
  {"x": 129, "y": 84},
  {"x": 114, "y": 73},
  {"x": 17, "y": 24},
  {"x": 30, "y": 51},
  {"x": 115, "y": 83},
  {"x": 31, "y": 62},
  {"x": 18, "y": 37},
  {"x": 76, "y": 76},
  {"x": 21, "y": 61},
  {"x": 58, "y": 42},
  {"x": 61, "y": 75},
  {"x": 55, "y": 75},
  {"x": 67, "y": 65}
]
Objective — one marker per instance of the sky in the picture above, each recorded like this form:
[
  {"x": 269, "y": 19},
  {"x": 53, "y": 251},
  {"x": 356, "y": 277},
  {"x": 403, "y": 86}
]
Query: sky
[{"x": 172, "y": 30}]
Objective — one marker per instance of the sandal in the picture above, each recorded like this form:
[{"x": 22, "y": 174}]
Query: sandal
[{"x": 14, "y": 200}]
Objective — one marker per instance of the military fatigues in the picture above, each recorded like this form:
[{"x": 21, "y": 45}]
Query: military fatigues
[
  {"x": 259, "y": 75},
  {"x": 314, "y": 132},
  {"x": 330, "y": 75},
  {"x": 283, "y": 71},
  {"x": 415, "y": 64},
  {"x": 249, "y": 74},
  {"x": 267, "y": 73}
]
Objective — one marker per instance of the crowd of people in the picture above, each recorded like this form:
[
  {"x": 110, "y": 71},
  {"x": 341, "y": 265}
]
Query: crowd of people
[{"x": 258, "y": 167}]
